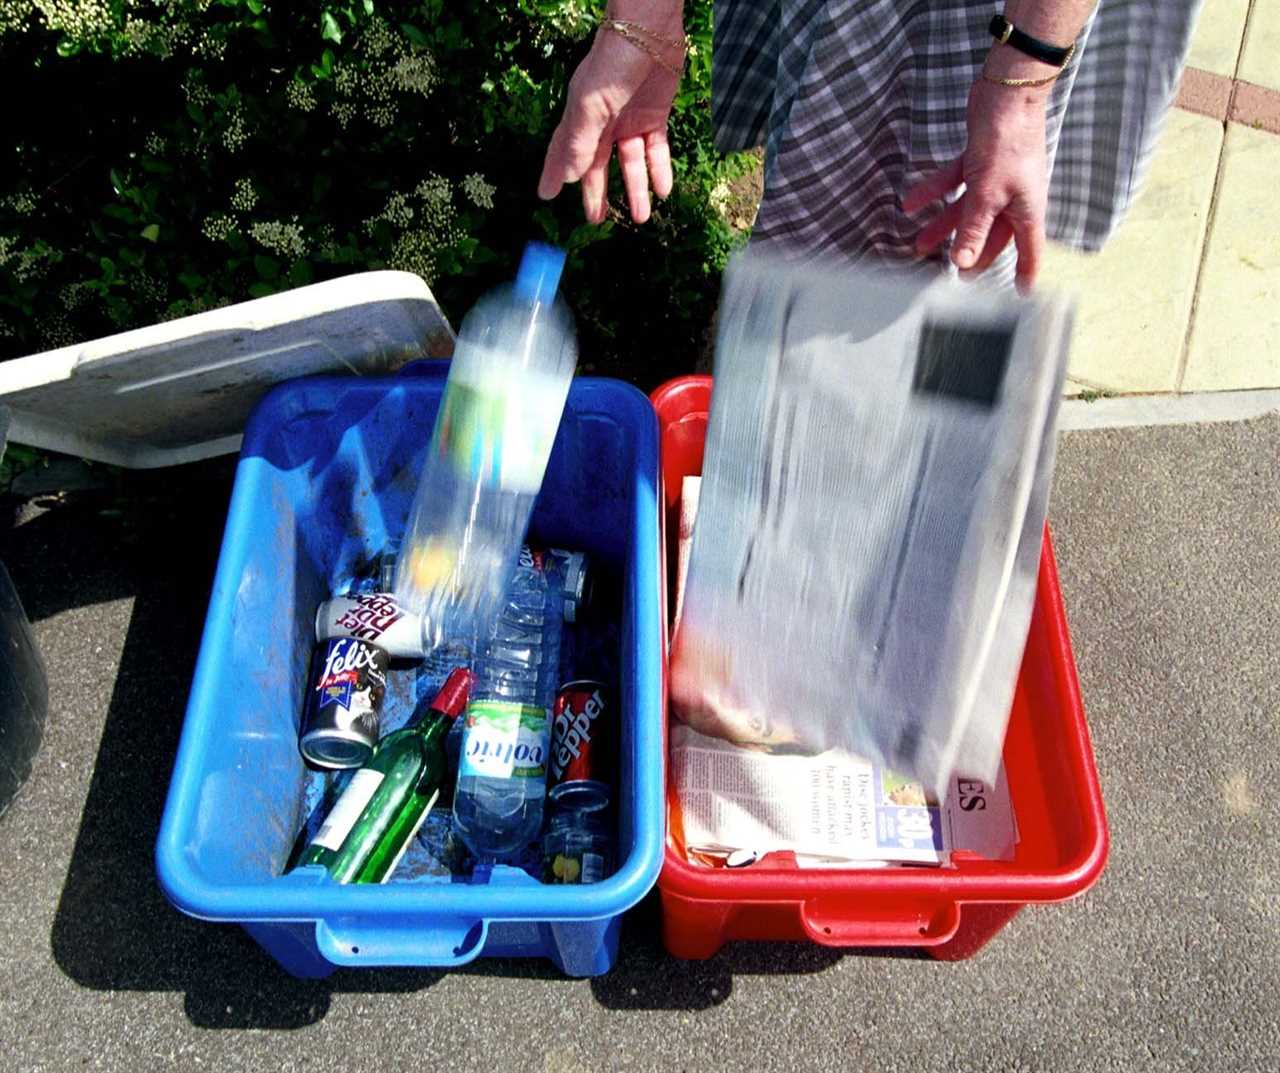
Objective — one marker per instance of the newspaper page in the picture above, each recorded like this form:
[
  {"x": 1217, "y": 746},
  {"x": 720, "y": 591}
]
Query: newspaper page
[
  {"x": 878, "y": 459},
  {"x": 831, "y": 810}
]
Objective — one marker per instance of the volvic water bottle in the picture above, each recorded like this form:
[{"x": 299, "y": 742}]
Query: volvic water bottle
[
  {"x": 502, "y": 773},
  {"x": 507, "y": 385}
]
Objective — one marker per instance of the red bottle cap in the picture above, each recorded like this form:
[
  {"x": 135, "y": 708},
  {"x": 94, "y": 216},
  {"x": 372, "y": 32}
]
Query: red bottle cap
[{"x": 452, "y": 698}]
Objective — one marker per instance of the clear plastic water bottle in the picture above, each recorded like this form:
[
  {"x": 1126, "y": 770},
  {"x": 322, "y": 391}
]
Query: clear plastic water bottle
[
  {"x": 512, "y": 365},
  {"x": 502, "y": 773}
]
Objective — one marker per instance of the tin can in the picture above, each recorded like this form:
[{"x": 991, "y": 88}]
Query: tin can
[
  {"x": 582, "y": 742},
  {"x": 375, "y": 617},
  {"x": 576, "y": 579},
  {"x": 343, "y": 713}
]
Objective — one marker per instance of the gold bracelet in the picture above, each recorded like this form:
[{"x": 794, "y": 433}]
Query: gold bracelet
[
  {"x": 638, "y": 36},
  {"x": 1028, "y": 81},
  {"x": 1019, "y": 81},
  {"x": 681, "y": 42}
]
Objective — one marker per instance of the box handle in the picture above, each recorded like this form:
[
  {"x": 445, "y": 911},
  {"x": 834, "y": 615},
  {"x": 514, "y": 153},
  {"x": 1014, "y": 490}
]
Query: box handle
[
  {"x": 839, "y": 922},
  {"x": 439, "y": 943}
]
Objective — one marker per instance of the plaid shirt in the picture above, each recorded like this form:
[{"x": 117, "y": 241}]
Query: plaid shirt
[{"x": 854, "y": 100}]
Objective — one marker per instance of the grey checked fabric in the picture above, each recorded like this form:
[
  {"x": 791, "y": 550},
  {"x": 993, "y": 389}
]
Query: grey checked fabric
[{"x": 856, "y": 99}]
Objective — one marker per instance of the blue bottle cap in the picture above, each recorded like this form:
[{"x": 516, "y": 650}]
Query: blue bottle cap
[{"x": 539, "y": 273}]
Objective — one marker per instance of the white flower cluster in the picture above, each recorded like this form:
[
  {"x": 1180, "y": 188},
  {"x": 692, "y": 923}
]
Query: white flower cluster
[
  {"x": 434, "y": 190},
  {"x": 149, "y": 288},
  {"x": 210, "y": 46},
  {"x": 285, "y": 239},
  {"x": 718, "y": 198},
  {"x": 13, "y": 13},
  {"x": 23, "y": 203},
  {"x": 415, "y": 73},
  {"x": 299, "y": 96},
  {"x": 137, "y": 33},
  {"x": 245, "y": 197},
  {"x": 378, "y": 38},
  {"x": 413, "y": 252},
  {"x": 7, "y": 244},
  {"x": 344, "y": 112},
  {"x": 196, "y": 91},
  {"x": 326, "y": 242},
  {"x": 56, "y": 331},
  {"x": 218, "y": 226},
  {"x": 479, "y": 192},
  {"x": 391, "y": 65},
  {"x": 156, "y": 144},
  {"x": 398, "y": 213},
  {"x": 25, "y": 264},
  {"x": 73, "y": 295},
  {"x": 234, "y": 135},
  {"x": 77, "y": 18},
  {"x": 346, "y": 78}
]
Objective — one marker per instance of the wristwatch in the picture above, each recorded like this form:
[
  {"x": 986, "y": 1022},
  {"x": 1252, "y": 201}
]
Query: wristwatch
[{"x": 1007, "y": 34}]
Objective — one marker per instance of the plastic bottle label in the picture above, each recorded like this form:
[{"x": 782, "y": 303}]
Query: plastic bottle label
[
  {"x": 337, "y": 825},
  {"x": 499, "y": 433},
  {"x": 504, "y": 740}
]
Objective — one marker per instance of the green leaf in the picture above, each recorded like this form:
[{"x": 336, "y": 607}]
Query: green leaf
[
  {"x": 120, "y": 212},
  {"x": 155, "y": 167},
  {"x": 117, "y": 183},
  {"x": 329, "y": 28},
  {"x": 415, "y": 36},
  {"x": 261, "y": 290},
  {"x": 151, "y": 232},
  {"x": 108, "y": 267},
  {"x": 368, "y": 7},
  {"x": 546, "y": 220},
  {"x": 300, "y": 274},
  {"x": 255, "y": 6},
  {"x": 68, "y": 48},
  {"x": 133, "y": 260},
  {"x": 191, "y": 280},
  {"x": 195, "y": 112},
  {"x": 268, "y": 267}
]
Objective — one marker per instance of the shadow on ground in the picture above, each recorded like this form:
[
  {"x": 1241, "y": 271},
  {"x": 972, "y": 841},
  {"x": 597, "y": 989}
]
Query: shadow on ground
[{"x": 156, "y": 542}]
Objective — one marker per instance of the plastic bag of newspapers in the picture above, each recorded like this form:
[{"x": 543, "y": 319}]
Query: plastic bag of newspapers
[{"x": 877, "y": 472}]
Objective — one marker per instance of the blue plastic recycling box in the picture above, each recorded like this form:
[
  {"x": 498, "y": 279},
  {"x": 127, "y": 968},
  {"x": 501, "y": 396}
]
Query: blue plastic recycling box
[{"x": 327, "y": 471}]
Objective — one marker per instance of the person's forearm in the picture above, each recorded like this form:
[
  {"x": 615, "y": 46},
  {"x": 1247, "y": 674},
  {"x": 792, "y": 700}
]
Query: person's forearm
[{"x": 1055, "y": 22}]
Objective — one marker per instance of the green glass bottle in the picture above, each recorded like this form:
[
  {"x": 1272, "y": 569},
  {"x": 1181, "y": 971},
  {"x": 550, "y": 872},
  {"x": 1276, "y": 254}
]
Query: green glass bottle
[{"x": 371, "y": 824}]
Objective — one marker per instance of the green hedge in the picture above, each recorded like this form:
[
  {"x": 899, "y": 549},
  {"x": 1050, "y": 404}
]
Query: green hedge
[{"x": 168, "y": 158}]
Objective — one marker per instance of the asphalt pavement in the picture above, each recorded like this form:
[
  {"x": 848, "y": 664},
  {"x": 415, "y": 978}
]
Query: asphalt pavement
[{"x": 1168, "y": 541}]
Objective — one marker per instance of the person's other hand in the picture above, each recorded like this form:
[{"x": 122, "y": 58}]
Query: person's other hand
[
  {"x": 619, "y": 95},
  {"x": 1004, "y": 171}
]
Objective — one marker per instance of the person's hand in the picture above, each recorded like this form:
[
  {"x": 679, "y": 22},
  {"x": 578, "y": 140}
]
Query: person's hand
[
  {"x": 1006, "y": 183},
  {"x": 619, "y": 95}
]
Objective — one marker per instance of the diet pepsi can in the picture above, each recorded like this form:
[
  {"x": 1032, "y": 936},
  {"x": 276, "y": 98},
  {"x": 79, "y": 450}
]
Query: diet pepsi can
[
  {"x": 374, "y": 617},
  {"x": 342, "y": 717}
]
